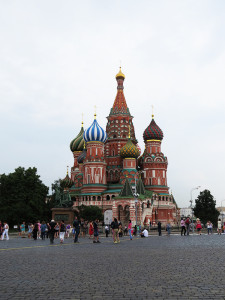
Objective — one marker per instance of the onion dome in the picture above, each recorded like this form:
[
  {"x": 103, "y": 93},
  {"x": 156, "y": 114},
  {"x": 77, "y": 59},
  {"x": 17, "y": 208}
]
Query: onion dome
[
  {"x": 66, "y": 182},
  {"x": 77, "y": 144},
  {"x": 153, "y": 132},
  {"x": 82, "y": 156},
  {"x": 129, "y": 150},
  {"x": 120, "y": 74},
  {"x": 95, "y": 133}
]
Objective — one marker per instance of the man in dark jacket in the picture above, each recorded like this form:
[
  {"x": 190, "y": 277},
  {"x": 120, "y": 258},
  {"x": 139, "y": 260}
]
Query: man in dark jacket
[
  {"x": 51, "y": 233},
  {"x": 76, "y": 226},
  {"x": 159, "y": 228}
]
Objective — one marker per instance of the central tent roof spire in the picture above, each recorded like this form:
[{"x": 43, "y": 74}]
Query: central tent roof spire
[{"x": 120, "y": 105}]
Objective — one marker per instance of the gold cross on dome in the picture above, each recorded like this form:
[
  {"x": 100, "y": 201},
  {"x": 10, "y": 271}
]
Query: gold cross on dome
[
  {"x": 82, "y": 123},
  {"x": 152, "y": 111},
  {"x": 95, "y": 107}
]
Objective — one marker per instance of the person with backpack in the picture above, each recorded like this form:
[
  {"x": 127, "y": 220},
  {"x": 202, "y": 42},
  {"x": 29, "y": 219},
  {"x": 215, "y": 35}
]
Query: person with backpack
[
  {"x": 43, "y": 230},
  {"x": 62, "y": 230}
]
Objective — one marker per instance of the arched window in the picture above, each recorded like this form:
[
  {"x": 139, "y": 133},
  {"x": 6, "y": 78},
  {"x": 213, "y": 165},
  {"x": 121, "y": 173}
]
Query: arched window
[
  {"x": 148, "y": 204},
  {"x": 107, "y": 197},
  {"x": 99, "y": 198}
]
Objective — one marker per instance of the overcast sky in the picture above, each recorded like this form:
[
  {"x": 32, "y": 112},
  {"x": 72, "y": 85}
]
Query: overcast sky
[{"x": 59, "y": 59}]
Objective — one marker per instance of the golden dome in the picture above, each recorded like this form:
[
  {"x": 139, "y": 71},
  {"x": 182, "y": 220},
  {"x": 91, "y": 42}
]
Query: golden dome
[{"x": 120, "y": 74}]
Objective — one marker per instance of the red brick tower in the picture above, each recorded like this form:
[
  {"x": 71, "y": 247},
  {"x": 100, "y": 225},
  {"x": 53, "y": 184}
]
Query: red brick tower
[
  {"x": 154, "y": 163},
  {"x": 94, "y": 165},
  {"x": 117, "y": 129}
]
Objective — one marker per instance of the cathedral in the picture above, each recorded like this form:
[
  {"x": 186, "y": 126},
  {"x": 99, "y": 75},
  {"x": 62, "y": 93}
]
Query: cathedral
[{"x": 109, "y": 170}]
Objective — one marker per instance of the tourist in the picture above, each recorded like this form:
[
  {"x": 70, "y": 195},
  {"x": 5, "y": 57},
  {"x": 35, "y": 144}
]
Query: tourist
[
  {"x": 187, "y": 224},
  {"x": 76, "y": 226},
  {"x": 168, "y": 228},
  {"x": 62, "y": 230},
  {"x": 130, "y": 230},
  {"x": 43, "y": 230},
  {"x": 23, "y": 228},
  {"x": 91, "y": 230},
  {"x": 48, "y": 231},
  {"x": 209, "y": 227},
  {"x": 106, "y": 230},
  {"x": 159, "y": 228},
  {"x": 5, "y": 232},
  {"x": 120, "y": 231},
  {"x": 1, "y": 229},
  {"x": 35, "y": 231},
  {"x": 68, "y": 230},
  {"x": 198, "y": 226},
  {"x": 135, "y": 230},
  {"x": 219, "y": 226},
  {"x": 51, "y": 233},
  {"x": 57, "y": 230},
  {"x": 30, "y": 229},
  {"x": 182, "y": 225},
  {"x": 96, "y": 233},
  {"x": 116, "y": 231},
  {"x": 144, "y": 233},
  {"x": 112, "y": 227},
  {"x": 39, "y": 229}
]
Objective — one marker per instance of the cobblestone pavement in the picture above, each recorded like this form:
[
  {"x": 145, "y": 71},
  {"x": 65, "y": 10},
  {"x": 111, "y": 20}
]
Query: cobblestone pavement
[{"x": 164, "y": 267}]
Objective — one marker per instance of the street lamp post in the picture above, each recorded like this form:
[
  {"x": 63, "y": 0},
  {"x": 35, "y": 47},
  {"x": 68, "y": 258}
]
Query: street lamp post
[
  {"x": 191, "y": 201},
  {"x": 136, "y": 195}
]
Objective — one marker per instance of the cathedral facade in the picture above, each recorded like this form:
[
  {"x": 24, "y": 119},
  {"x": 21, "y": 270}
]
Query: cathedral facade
[{"x": 109, "y": 170}]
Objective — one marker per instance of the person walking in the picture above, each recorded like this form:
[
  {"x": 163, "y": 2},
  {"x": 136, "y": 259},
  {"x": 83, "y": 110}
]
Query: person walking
[
  {"x": 5, "y": 231},
  {"x": 182, "y": 225},
  {"x": 106, "y": 230},
  {"x": 91, "y": 230},
  {"x": 116, "y": 231},
  {"x": 22, "y": 228},
  {"x": 51, "y": 232},
  {"x": 76, "y": 226},
  {"x": 35, "y": 231},
  {"x": 43, "y": 230},
  {"x": 168, "y": 228},
  {"x": 198, "y": 226},
  {"x": 62, "y": 230},
  {"x": 130, "y": 229},
  {"x": 68, "y": 230},
  {"x": 219, "y": 226},
  {"x": 187, "y": 224},
  {"x": 96, "y": 233},
  {"x": 159, "y": 228},
  {"x": 209, "y": 227}
]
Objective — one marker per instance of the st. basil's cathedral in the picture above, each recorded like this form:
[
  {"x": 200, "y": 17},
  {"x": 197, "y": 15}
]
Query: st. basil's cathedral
[{"x": 110, "y": 172}]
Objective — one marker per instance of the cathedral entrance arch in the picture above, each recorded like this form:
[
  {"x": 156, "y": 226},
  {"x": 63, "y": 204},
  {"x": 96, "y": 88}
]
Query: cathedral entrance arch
[{"x": 108, "y": 216}]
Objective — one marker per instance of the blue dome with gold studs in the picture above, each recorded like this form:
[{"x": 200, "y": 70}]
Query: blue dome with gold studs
[{"x": 95, "y": 133}]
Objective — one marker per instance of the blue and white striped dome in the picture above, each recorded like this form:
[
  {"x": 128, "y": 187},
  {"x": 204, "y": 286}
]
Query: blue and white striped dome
[{"x": 95, "y": 133}]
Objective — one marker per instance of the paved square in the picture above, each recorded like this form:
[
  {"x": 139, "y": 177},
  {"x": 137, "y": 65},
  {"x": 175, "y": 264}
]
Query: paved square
[{"x": 164, "y": 267}]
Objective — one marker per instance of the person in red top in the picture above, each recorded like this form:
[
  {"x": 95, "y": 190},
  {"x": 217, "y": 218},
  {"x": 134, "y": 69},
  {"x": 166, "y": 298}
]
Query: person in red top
[
  {"x": 91, "y": 230},
  {"x": 198, "y": 226}
]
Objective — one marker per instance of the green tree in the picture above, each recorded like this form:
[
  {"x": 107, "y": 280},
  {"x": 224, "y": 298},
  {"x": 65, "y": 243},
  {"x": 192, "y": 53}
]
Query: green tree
[
  {"x": 205, "y": 208},
  {"x": 90, "y": 213},
  {"x": 23, "y": 197}
]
